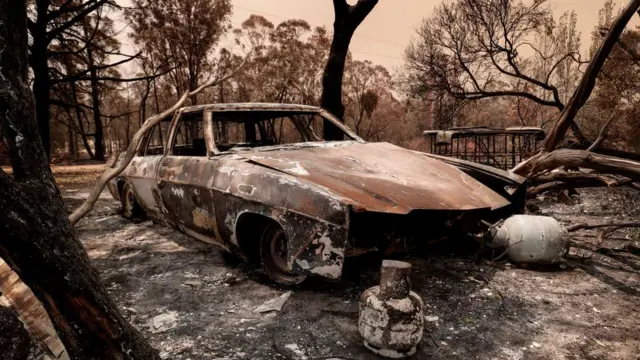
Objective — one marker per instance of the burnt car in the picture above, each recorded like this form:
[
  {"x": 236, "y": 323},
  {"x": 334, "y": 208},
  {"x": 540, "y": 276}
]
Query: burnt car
[{"x": 260, "y": 182}]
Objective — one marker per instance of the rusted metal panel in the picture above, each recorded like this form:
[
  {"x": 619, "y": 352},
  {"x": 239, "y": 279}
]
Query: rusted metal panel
[
  {"x": 383, "y": 178},
  {"x": 314, "y": 191},
  {"x": 141, "y": 173}
]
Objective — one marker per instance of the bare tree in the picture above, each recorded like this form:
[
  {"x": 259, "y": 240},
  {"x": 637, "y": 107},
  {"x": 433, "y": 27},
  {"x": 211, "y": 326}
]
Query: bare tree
[
  {"x": 550, "y": 158},
  {"x": 347, "y": 19},
  {"x": 588, "y": 82},
  {"x": 121, "y": 163},
  {"x": 49, "y": 21},
  {"x": 182, "y": 32},
  {"x": 38, "y": 242},
  {"x": 473, "y": 49}
]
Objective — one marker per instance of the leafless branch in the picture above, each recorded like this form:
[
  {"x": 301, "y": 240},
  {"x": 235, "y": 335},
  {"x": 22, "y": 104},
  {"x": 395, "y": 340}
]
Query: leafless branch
[{"x": 112, "y": 172}]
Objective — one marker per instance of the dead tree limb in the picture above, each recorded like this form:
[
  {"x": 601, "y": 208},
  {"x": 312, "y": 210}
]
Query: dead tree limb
[
  {"x": 578, "y": 178},
  {"x": 563, "y": 181},
  {"x": 548, "y": 161},
  {"x": 112, "y": 172},
  {"x": 588, "y": 81},
  {"x": 604, "y": 132},
  {"x": 588, "y": 226}
]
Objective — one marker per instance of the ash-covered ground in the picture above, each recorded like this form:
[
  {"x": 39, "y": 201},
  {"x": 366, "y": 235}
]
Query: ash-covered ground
[{"x": 191, "y": 305}]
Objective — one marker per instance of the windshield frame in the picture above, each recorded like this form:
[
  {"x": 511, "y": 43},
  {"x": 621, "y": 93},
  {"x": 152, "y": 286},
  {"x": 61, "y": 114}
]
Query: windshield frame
[{"x": 351, "y": 136}]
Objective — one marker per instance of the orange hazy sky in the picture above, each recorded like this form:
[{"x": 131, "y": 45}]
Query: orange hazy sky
[{"x": 388, "y": 29}]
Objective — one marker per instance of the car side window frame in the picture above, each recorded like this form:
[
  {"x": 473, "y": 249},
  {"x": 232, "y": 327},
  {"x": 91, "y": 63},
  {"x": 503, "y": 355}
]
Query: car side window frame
[
  {"x": 212, "y": 149},
  {"x": 206, "y": 123}
]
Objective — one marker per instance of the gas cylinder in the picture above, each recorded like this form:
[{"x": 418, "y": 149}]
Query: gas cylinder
[
  {"x": 531, "y": 239},
  {"x": 391, "y": 319}
]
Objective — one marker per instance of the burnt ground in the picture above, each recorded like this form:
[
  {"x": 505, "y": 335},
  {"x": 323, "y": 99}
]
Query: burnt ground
[{"x": 585, "y": 308}]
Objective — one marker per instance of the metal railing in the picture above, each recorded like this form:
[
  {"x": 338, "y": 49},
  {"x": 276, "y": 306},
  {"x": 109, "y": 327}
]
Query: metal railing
[{"x": 500, "y": 148}]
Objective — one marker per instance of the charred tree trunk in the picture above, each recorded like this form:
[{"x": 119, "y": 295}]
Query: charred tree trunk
[
  {"x": 14, "y": 339},
  {"x": 40, "y": 68},
  {"x": 79, "y": 117},
  {"x": 143, "y": 105},
  {"x": 98, "y": 139},
  {"x": 347, "y": 19},
  {"x": 38, "y": 242}
]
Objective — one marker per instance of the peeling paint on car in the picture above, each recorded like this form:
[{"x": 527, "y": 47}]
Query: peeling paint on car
[
  {"x": 322, "y": 194},
  {"x": 177, "y": 192}
]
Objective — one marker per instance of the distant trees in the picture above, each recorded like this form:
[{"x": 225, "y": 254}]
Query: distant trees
[
  {"x": 480, "y": 49},
  {"x": 80, "y": 61},
  {"x": 180, "y": 36},
  {"x": 287, "y": 63},
  {"x": 367, "y": 89},
  {"x": 61, "y": 29}
]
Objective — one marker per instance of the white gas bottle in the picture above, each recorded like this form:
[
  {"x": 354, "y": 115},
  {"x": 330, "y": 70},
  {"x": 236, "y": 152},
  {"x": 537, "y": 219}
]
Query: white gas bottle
[{"x": 531, "y": 239}]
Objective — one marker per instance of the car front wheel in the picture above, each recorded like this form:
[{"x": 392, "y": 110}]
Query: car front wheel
[{"x": 274, "y": 255}]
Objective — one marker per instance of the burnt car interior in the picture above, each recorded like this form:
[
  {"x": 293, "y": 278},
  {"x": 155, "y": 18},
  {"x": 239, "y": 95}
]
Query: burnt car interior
[
  {"x": 189, "y": 138},
  {"x": 158, "y": 138},
  {"x": 240, "y": 130},
  {"x": 235, "y": 131}
]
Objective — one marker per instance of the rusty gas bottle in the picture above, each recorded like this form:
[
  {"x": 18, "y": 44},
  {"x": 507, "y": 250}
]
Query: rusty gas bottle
[{"x": 391, "y": 319}]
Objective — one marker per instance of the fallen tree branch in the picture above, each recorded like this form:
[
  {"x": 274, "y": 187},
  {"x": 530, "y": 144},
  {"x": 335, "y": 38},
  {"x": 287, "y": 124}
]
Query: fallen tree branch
[
  {"x": 588, "y": 226},
  {"x": 577, "y": 159},
  {"x": 550, "y": 186},
  {"x": 113, "y": 171},
  {"x": 604, "y": 132},
  {"x": 578, "y": 178},
  {"x": 573, "y": 180}
]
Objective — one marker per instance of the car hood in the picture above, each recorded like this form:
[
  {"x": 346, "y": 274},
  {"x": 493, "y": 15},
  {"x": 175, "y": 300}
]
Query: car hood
[{"x": 382, "y": 177}]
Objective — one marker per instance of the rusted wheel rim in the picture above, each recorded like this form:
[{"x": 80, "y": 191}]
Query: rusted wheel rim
[
  {"x": 129, "y": 201},
  {"x": 278, "y": 251},
  {"x": 274, "y": 255}
]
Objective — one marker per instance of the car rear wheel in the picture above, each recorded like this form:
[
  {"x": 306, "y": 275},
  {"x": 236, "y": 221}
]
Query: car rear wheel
[
  {"x": 274, "y": 256},
  {"x": 131, "y": 210}
]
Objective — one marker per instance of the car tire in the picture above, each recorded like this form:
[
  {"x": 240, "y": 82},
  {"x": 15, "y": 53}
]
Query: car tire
[
  {"x": 131, "y": 210},
  {"x": 273, "y": 255}
]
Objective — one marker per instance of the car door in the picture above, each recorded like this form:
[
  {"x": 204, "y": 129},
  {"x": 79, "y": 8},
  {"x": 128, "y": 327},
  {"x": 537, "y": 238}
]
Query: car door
[
  {"x": 185, "y": 176},
  {"x": 142, "y": 171}
]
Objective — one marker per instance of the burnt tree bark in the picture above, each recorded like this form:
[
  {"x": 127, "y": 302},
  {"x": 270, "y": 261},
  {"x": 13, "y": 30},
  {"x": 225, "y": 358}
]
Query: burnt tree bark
[
  {"x": 347, "y": 19},
  {"x": 14, "y": 339},
  {"x": 40, "y": 68},
  {"x": 37, "y": 240}
]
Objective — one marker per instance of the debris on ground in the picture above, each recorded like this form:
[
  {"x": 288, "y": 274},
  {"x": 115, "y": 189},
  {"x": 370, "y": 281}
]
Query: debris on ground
[
  {"x": 275, "y": 304},
  {"x": 164, "y": 322},
  {"x": 553, "y": 307}
]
